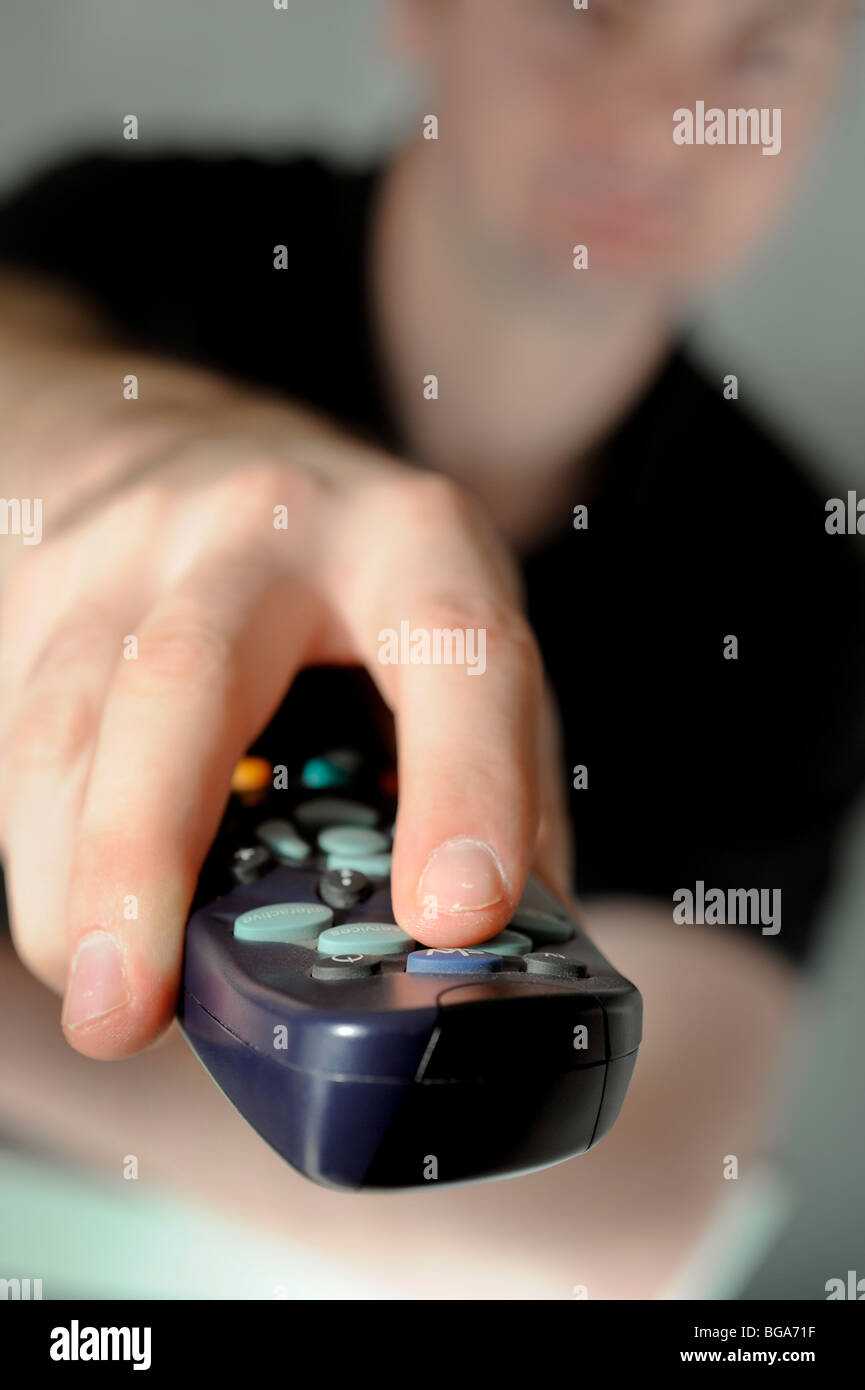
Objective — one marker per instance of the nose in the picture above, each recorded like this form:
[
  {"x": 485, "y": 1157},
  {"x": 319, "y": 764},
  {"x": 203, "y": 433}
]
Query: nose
[{"x": 628, "y": 113}]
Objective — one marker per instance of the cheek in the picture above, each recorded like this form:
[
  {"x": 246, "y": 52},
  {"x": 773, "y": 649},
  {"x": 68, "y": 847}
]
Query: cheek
[
  {"x": 738, "y": 201},
  {"x": 497, "y": 121}
]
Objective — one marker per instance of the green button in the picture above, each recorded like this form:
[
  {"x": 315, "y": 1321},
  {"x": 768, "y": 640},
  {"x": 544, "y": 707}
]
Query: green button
[
  {"x": 322, "y": 772},
  {"x": 282, "y": 922},
  {"x": 333, "y": 810},
  {"x": 283, "y": 840},
  {"x": 373, "y": 865},
  {"x": 540, "y": 926},
  {"x": 507, "y": 943},
  {"x": 369, "y": 938},
  {"x": 353, "y": 840}
]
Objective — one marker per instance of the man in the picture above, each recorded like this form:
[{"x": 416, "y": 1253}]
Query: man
[{"x": 447, "y": 372}]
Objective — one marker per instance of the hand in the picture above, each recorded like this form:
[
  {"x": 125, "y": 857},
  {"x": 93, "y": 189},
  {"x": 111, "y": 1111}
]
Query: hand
[{"x": 115, "y": 768}]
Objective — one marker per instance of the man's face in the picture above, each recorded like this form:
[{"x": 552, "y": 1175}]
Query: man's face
[{"x": 556, "y": 124}]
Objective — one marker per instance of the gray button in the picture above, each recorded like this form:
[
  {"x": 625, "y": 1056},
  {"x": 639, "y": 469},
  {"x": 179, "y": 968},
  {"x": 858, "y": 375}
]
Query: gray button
[
  {"x": 552, "y": 964},
  {"x": 333, "y": 810},
  {"x": 352, "y": 841},
  {"x": 282, "y": 922},
  {"x": 283, "y": 840},
  {"x": 541, "y": 926}
]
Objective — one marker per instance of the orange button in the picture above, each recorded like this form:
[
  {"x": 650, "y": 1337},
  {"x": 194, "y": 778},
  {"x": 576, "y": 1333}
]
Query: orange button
[{"x": 251, "y": 775}]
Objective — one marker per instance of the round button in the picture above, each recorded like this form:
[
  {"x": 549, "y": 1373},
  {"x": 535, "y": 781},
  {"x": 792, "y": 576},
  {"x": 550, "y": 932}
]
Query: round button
[
  {"x": 333, "y": 810},
  {"x": 441, "y": 960},
  {"x": 507, "y": 943},
  {"x": 282, "y": 922},
  {"x": 251, "y": 775},
  {"x": 343, "y": 888},
  {"x": 249, "y": 863},
  {"x": 551, "y": 964},
  {"x": 345, "y": 967},
  {"x": 367, "y": 938},
  {"x": 372, "y": 865},
  {"x": 325, "y": 773},
  {"x": 542, "y": 926},
  {"x": 354, "y": 841},
  {"x": 283, "y": 841}
]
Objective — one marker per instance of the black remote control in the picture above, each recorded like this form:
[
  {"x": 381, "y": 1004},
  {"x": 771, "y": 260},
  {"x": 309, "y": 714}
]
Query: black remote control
[{"x": 369, "y": 1061}]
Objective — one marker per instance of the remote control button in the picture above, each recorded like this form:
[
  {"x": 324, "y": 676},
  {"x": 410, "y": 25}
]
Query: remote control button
[
  {"x": 282, "y": 922},
  {"x": 251, "y": 775},
  {"x": 324, "y": 773},
  {"x": 283, "y": 841},
  {"x": 541, "y": 926},
  {"x": 332, "y": 810},
  {"x": 349, "y": 759},
  {"x": 249, "y": 863},
  {"x": 352, "y": 841},
  {"x": 441, "y": 960},
  {"x": 345, "y": 967},
  {"x": 516, "y": 965},
  {"x": 550, "y": 964},
  {"x": 343, "y": 888},
  {"x": 507, "y": 943},
  {"x": 372, "y": 865},
  {"x": 367, "y": 938}
]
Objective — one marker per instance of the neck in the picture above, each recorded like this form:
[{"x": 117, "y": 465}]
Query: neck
[{"x": 530, "y": 379}]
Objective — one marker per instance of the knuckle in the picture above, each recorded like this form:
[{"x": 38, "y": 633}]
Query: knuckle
[
  {"x": 506, "y": 628},
  {"x": 52, "y": 728},
  {"x": 73, "y": 644},
  {"x": 255, "y": 493},
  {"x": 178, "y": 651},
  {"x": 428, "y": 501}
]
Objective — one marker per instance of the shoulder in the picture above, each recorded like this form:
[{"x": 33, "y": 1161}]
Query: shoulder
[{"x": 167, "y": 198}]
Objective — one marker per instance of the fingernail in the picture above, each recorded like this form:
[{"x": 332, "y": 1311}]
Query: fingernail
[
  {"x": 97, "y": 983},
  {"x": 463, "y": 876}
]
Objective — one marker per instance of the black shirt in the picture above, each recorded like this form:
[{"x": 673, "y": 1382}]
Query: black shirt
[{"x": 735, "y": 773}]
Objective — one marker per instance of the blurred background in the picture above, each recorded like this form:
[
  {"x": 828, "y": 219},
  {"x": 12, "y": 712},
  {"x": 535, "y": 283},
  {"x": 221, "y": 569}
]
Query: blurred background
[{"x": 236, "y": 74}]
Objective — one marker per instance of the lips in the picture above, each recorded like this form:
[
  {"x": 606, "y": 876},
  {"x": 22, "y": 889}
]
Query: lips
[{"x": 606, "y": 204}]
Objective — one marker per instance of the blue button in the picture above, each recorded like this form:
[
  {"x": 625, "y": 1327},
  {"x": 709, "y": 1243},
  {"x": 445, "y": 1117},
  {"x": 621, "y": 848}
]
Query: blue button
[
  {"x": 283, "y": 840},
  {"x": 282, "y": 922},
  {"x": 440, "y": 960},
  {"x": 324, "y": 773},
  {"x": 369, "y": 938},
  {"x": 352, "y": 840},
  {"x": 333, "y": 810},
  {"x": 372, "y": 865}
]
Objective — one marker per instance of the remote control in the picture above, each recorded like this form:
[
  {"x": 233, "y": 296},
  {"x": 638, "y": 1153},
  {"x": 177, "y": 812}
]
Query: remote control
[{"x": 366, "y": 1060}]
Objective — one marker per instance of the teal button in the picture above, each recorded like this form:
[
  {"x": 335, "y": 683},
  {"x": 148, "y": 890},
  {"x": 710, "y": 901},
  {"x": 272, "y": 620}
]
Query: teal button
[
  {"x": 324, "y": 773},
  {"x": 373, "y": 865},
  {"x": 282, "y": 922},
  {"x": 542, "y": 927},
  {"x": 283, "y": 840},
  {"x": 353, "y": 840},
  {"x": 507, "y": 943},
  {"x": 333, "y": 810},
  {"x": 369, "y": 938}
]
